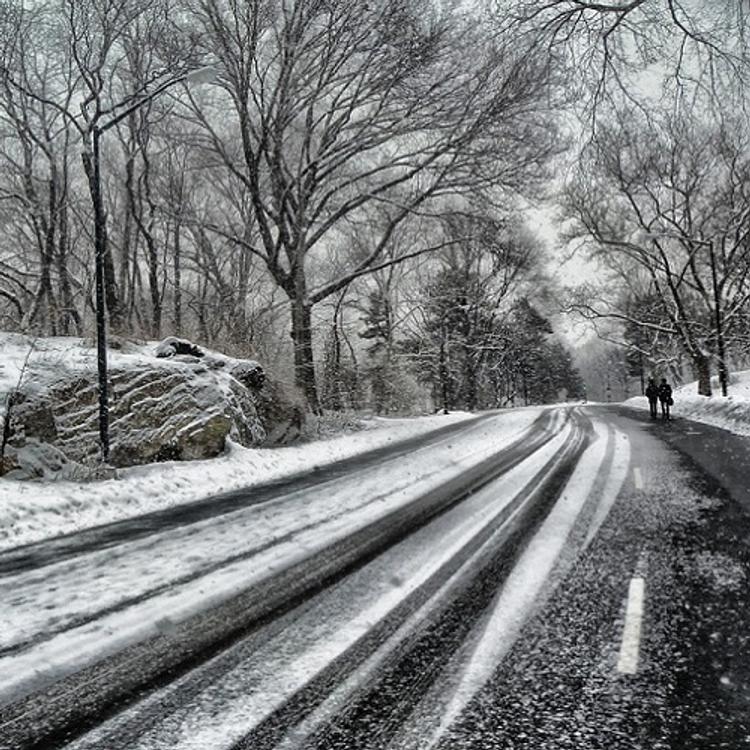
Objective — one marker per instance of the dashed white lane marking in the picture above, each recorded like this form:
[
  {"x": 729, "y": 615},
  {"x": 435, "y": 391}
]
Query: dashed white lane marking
[
  {"x": 631, "y": 635},
  {"x": 638, "y": 478},
  {"x": 641, "y": 565}
]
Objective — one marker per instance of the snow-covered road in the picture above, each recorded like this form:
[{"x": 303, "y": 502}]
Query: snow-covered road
[
  {"x": 410, "y": 576},
  {"x": 395, "y": 596},
  {"x": 66, "y": 615}
]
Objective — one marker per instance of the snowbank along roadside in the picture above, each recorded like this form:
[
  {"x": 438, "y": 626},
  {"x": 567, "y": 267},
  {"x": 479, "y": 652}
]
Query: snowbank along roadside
[
  {"x": 731, "y": 413},
  {"x": 30, "y": 511}
]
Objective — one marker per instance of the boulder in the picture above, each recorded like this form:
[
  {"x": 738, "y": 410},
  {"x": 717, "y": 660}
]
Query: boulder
[
  {"x": 281, "y": 410},
  {"x": 163, "y": 412},
  {"x": 169, "y": 407},
  {"x": 172, "y": 413},
  {"x": 38, "y": 460}
]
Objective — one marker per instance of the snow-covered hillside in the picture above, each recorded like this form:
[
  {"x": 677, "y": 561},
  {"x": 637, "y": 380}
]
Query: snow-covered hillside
[{"x": 730, "y": 413}]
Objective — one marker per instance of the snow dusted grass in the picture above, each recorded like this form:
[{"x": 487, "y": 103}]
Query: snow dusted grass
[
  {"x": 30, "y": 511},
  {"x": 731, "y": 413}
]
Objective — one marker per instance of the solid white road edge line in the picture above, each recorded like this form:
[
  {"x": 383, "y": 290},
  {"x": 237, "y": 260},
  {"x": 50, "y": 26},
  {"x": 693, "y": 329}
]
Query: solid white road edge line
[
  {"x": 638, "y": 478},
  {"x": 631, "y": 634}
]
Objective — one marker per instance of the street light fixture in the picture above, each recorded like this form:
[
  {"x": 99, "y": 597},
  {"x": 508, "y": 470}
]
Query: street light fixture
[{"x": 92, "y": 165}]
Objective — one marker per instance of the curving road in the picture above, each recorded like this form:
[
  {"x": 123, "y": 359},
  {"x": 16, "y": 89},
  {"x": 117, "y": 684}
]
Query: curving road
[{"x": 583, "y": 585}]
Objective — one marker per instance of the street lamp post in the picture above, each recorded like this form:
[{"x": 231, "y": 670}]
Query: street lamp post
[
  {"x": 100, "y": 249},
  {"x": 92, "y": 166}
]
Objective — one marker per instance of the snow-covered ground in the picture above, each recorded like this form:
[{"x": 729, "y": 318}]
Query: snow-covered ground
[
  {"x": 730, "y": 412},
  {"x": 101, "y": 600},
  {"x": 30, "y": 511}
]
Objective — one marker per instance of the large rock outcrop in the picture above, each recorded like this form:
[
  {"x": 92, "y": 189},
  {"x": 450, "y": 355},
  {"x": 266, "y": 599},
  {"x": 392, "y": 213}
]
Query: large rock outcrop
[{"x": 179, "y": 408}]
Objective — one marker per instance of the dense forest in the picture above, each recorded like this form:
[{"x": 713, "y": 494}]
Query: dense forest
[{"x": 339, "y": 171}]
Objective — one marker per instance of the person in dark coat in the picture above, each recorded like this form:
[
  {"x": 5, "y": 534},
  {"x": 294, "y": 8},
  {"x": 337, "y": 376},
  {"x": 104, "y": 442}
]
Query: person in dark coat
[
  {"x": 665, "y": 398},
  {"x": 652, "y": 394}
]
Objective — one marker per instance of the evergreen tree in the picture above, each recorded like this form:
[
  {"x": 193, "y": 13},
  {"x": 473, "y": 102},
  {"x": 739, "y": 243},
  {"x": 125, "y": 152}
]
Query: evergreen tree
[{"x": 391, "y": 386}]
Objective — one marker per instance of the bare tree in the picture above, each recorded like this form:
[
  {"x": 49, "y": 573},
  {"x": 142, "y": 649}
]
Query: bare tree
[
  {"x": 460, "y": 335},
  {"x": 36, "y": 150},
  {"x": 342, "y": 106},
  {"x": 669, "y": 199},
  {"x": 617, "y": 48},
  {"x": 11, "y": 399}
]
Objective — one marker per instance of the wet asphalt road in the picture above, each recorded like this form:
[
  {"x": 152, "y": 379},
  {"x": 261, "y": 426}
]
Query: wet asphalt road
[
  {"x": 681, "y": 523},
  {"x": 687, "y": 533},
  {"x": 558, "y": 688}
]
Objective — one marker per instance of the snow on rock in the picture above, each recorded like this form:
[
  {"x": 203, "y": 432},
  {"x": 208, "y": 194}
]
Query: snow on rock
[
  {"x": 249, "y": 373},
  {"x": 175, "y": 408},
  {"x": 172, "y": 345},
  {"x": 731, "y": 413}
]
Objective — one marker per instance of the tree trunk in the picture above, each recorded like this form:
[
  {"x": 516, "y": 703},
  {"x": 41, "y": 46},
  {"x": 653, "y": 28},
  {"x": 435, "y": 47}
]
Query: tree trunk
[
  {"x": 129, "y": 242},
  {"x": 53, "y": 313},
  {"x": 642, "y": 373},
  {"x": 470, "y": 378},
  {"x": 152, "y": 256},
  {"x": 177, "y": 269},
  {"x": 443, "y": 371},
  {"x": 44, "y": 309},
  {"x": 304, "y": 360},
  {"x": 723, "y": 374},
  {"x": 702, "y": 367},
  {"x": 69, "y": 311},
  {"x": 333, "y": 396}
]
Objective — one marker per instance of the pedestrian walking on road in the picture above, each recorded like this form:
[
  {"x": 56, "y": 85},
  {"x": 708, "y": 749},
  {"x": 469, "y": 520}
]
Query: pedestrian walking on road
[
  {"x": 665, "y": 398},
  {"x": 652, "y": 394}
]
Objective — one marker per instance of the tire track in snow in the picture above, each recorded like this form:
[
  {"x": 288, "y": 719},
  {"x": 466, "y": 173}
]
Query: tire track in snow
[
  {"x": 371, "y": 708},
  {"x": 531, "y": 581},
  {"x": 269, "y": 686},
  {"x": 36, "y": 555},
  {"x": 76, "y": 702},
  {"x": 547, "y": 424}
]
